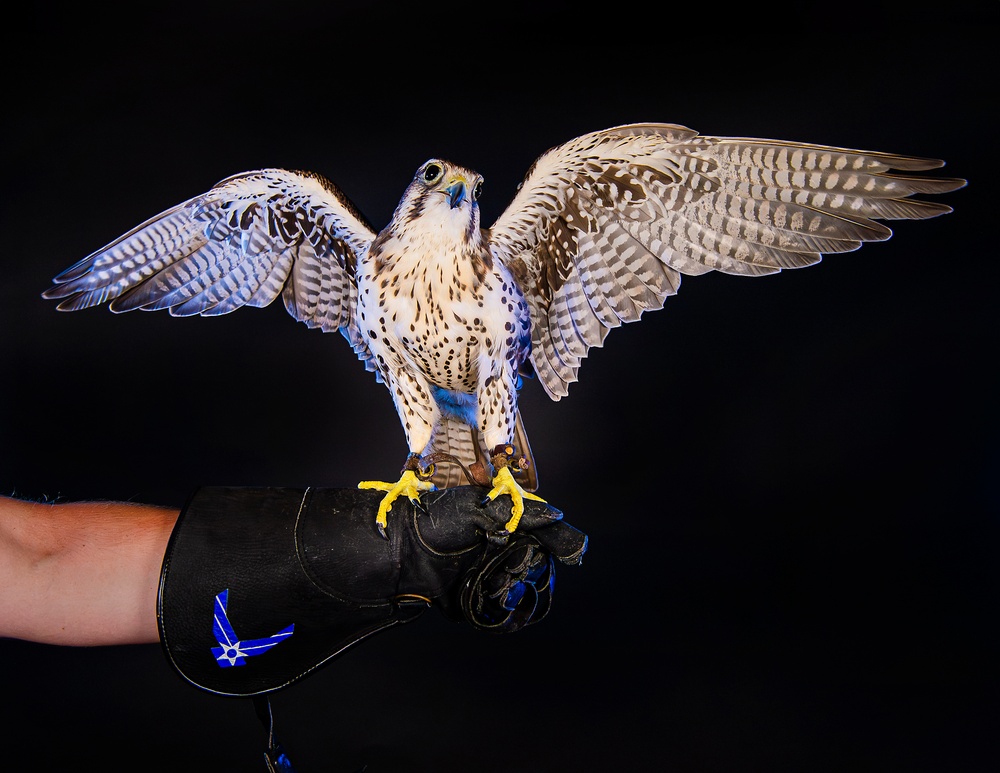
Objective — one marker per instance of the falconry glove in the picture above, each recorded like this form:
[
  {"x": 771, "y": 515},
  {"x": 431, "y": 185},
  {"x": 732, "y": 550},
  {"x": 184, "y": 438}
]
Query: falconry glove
[{"x": 261, "y": 586}]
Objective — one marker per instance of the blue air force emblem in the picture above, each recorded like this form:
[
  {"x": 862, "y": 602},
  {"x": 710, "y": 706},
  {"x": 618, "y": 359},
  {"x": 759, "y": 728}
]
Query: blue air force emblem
[{"x": 231, "y": 651}]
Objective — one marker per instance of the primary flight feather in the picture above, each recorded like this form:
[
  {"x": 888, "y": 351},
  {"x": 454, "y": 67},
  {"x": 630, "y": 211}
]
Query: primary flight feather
[{"x": 451, "y": 315}]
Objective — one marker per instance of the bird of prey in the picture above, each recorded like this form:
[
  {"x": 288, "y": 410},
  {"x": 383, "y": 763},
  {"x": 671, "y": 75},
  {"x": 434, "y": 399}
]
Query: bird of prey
[{"x": 450, "y": 315}]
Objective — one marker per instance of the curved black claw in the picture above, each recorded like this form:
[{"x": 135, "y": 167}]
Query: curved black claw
[{"x": 408, "y": 484}]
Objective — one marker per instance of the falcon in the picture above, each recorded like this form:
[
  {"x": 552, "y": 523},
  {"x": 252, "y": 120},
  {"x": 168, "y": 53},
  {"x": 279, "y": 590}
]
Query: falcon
[{"x": 451, "y": 315}]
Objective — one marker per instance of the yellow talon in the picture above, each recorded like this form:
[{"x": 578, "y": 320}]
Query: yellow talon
[
  {"x": 504, "y": 483},
  {"x": 408, "y": 484}
]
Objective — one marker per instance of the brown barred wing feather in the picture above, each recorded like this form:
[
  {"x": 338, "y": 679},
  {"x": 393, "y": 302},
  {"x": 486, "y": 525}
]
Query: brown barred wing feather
[
  {"x": 250, "y": 238},
  {"x": 603, "y": 227}
]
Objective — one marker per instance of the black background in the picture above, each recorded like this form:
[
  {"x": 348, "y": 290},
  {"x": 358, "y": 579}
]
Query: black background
[{"x": 789, "y": 484}]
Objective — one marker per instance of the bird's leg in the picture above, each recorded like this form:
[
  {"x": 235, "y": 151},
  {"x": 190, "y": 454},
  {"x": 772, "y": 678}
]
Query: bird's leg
[
  {"x": 502, "y": 457},
  {"x": 411, "y": 483}
]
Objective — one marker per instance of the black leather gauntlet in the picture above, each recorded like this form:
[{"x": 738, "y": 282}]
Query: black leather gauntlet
[{"x": 261, "y": 586}]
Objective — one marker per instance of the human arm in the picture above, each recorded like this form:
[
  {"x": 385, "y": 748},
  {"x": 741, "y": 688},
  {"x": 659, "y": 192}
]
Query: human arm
[
  {"x": 90, "y": 573},
  {"x": 81, "y": 573}
]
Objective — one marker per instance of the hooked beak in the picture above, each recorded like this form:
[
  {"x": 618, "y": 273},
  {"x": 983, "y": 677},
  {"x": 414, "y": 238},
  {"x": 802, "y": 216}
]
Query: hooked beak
[{"x": 456, "y": 192}]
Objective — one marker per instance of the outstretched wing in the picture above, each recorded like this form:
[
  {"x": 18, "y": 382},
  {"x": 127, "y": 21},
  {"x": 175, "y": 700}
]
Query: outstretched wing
[
  {"x": 602, "y": 227},
  {"x": 252, "y": 236}
]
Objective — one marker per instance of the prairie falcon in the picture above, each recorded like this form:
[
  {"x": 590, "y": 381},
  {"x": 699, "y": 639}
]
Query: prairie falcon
[{"x": 450, "y": 315}]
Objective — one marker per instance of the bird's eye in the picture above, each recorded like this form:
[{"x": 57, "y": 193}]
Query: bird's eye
[
  {"x": 432, "y": 173},
  {"x": 478, "y": 190}
]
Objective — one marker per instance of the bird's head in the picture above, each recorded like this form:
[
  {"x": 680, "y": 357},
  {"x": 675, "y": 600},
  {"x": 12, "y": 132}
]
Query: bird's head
[
  {"x": 445, "y": 196},
  {"x": 458, "y": 185}
]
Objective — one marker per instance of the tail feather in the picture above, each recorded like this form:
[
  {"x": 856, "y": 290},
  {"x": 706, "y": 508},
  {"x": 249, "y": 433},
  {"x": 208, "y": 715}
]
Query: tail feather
[
  {"x": 456, "y": 438},
  {"x": 529, "y": 478}
]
